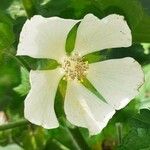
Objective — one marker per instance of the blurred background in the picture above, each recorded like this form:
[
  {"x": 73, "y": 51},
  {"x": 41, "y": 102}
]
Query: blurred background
[{"x": 129, "y": 129}]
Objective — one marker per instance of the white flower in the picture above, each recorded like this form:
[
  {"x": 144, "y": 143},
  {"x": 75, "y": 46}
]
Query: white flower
[
  {"x": 3, "y": 118},
  {"x": 117, "y": 80}
]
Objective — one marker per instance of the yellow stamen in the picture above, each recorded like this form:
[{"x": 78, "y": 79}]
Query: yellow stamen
[{"x": 75, "y": 67}]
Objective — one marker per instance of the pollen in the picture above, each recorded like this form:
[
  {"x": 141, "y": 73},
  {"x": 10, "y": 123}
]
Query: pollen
[{"x": 75, "y": 68}]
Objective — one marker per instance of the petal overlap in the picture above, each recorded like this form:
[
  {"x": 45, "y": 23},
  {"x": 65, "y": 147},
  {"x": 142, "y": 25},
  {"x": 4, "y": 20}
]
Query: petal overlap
[{"x": 84, "y": 109}]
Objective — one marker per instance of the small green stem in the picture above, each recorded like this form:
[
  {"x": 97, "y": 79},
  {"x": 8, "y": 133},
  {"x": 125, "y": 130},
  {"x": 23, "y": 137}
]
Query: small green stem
[
  {"x": 13, "y": 124},
  {"x": 60, "y": 145},
  {"x": 75, "y": 136},
  {"x": 77, "y": 139},
  {"x": 119, "y": 132},
  {"x": 74, "y": 141}
]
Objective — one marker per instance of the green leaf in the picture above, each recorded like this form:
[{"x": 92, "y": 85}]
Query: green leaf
[
  {"x": 30, "y": 7},
  {"x": 39, "y": 63},
  {"x": 70, "y": 41},
  {"x": 5, "y": 4},
  {"x": 5, "y": 18},
  {"x": 144, "y": 95},
  {"x": 6, "y": 31},
  {"x": 141, "y": 120},
  {"x": 139, "y": 136},
  {"x": 146, "y": 5},
  {"x": 46, "y": 64},
  {"x": 34, "y": 64},
  {"x": 131, "y": 9},
  {"x": 136, "y": 140},
  {"x": 6, "y": 35},
  {"x": 135, "y": 51},
  {"x": 59, "y": 99},
  {"x": 56, "y": 8},
  {"x": 96, "y": 56},
  {"x": 90, "y": 87},
  {"x": 56, "y": 135},
  {"x": 141, "y": 32},
  {"x": 24, "y": 87}
]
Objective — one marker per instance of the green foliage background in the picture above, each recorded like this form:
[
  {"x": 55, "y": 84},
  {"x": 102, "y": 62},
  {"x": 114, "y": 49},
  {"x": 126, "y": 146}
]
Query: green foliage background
[{"x": 129, "y": 129}]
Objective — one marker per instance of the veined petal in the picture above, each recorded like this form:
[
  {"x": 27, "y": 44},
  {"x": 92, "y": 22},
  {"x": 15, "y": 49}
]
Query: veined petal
[
  {"x": 84, "y": 109},
  {"x": 39, "y": 103},
  {"x": 94, "y": 34},
  {"x": 45, "y": 37},
  {"x": 117, "y": 80}
]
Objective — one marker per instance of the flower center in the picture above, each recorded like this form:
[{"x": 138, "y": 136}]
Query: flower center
[{"x": 75, "y": 67}]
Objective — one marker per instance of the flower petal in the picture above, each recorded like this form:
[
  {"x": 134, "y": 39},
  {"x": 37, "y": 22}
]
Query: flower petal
[
  {"x": 39, "y": 104},
  {"x": 117, "y": 80},
  {"x": 94, "y": 34},
  {"x": 84, "y": 109},
  {"x": 45, "y": 37}
]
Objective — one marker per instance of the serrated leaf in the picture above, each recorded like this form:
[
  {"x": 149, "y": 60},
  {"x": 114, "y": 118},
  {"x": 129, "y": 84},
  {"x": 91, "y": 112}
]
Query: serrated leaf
[
  {"x": 141, "y": 120},
  {"x": 136, "y": 140},
  {"x": 139, "y": 136}
]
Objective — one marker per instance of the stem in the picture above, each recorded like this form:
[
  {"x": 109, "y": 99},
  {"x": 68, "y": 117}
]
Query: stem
[
  {"x": 74, "y": 141},
  {"x": 119, "y": 132},
  {"x": 60, "y": 145},
  {"x": 13, "y": 124},
  {"x": 75, "y": 136},
  {"x": 77, "y": 139}
]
